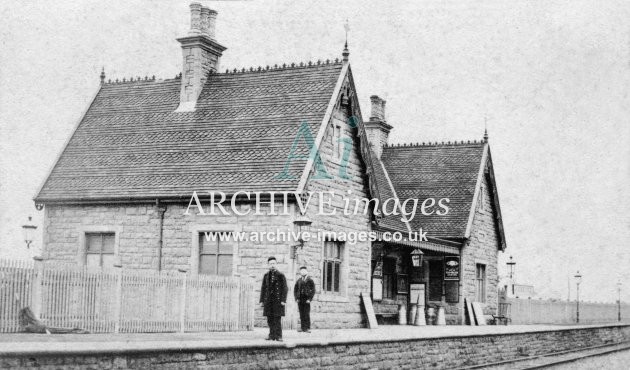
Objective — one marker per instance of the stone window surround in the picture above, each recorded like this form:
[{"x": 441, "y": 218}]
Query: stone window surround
[
  {"x": 342, "y": 296},
  {"x": 82, "y": 249},
  {"x": 485, "y": 264},
  {"x": 195, "y": 229}
]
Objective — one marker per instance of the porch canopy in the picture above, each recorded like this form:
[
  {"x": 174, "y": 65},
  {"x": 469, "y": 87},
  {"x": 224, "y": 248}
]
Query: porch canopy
[{"x": 423, "y": 245}]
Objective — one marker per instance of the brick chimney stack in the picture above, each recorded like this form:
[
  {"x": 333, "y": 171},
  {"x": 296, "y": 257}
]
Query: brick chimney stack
[
  {"x": 201, "y": 53},
  {"x": 376, "y": 128}
]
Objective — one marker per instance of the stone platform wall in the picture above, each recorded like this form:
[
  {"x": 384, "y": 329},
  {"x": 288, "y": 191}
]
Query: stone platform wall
[{"x": 435, "y": 353}]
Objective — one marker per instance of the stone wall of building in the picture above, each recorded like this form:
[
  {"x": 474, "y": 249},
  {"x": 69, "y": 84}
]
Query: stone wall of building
[
  {"x": 434, "y": 353},
  {"x": 482, "y": 248},
  {"x": 137, "y": 235},
  {"x": 137, "y": 229},
  {"x": 341, "y": 309}
]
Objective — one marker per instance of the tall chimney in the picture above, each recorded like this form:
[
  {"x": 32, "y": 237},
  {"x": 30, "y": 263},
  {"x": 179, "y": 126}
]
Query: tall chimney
[
  {"x": 201, "y": 55},
  {"x": 376, "y": 128}
]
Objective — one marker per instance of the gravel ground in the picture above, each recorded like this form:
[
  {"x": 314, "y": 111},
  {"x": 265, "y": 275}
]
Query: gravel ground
[{"x": 611, "y": 361}]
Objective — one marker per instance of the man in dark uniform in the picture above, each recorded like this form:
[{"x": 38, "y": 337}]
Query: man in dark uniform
[
  {"x": 304, "y": 291},
  {"x": 273, "y": 298}
]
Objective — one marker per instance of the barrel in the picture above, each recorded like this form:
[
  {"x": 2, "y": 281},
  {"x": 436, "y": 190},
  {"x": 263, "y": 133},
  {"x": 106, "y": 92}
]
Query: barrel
[{"x": 431, "y": 316}]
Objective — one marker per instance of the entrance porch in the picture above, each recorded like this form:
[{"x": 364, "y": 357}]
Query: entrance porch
[{"x": 431, "y": 279}]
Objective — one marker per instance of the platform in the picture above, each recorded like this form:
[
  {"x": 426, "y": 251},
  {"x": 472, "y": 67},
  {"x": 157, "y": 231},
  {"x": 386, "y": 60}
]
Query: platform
[
  {"x": 386, "y": 343},
  {"x": 32, "y": 344}
]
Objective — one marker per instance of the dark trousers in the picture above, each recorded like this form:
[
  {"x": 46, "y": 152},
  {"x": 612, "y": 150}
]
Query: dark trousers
[
  {"x": 275, "y": 327},
  {"x": 305, "y": 315}
]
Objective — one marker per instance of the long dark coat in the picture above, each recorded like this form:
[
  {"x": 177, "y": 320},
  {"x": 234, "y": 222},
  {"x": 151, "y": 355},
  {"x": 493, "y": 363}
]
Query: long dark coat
[{"x": 273, "y": 292}]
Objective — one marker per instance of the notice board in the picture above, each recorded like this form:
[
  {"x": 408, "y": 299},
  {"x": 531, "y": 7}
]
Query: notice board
[
  {"x": 478, "y": 311},
  {"x": 377, "y": 289},
  {"x": 451, "y": 268},
  {"x": 369, "y": 310}
]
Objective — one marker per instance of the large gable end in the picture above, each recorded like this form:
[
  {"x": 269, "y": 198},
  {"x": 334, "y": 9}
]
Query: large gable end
[
  {"x": 486, "y": 177},
  {"x": 344, "y": 97}
]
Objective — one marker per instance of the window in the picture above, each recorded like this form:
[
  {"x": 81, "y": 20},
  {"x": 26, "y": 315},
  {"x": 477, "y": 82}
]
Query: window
[
  {"x": 216, "y": 253},
  {"x": 99, "y": 249},
  {"x": 389, "y": 278},
  {"x": 482, "y": 198},
  {"x": 337, "y": 143},
  {"x": 332, "y": 137},
  {"x": 480, "y": 283},
  {"x": 332, "y": 266}
]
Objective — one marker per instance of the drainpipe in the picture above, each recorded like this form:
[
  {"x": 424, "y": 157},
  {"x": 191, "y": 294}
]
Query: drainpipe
[{"x": 160, "y": 210}]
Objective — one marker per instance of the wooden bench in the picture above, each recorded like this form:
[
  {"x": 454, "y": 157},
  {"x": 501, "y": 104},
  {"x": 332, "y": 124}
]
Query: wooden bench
[{"x": 385, "y": 312}]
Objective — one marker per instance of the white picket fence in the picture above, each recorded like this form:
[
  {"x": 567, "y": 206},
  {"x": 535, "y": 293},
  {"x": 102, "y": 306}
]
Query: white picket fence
[
  {"x": 538, "y": 311},
  {"x": 122, "y": 300}
]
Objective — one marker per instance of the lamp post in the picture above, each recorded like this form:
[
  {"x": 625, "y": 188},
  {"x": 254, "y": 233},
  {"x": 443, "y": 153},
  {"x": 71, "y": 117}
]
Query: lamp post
[
  {"x": 28, "y": 230},
  {"x": 619, "y": 301},
  {"x": 511, "y": 265},
  {"x": 578, "y": 280}
]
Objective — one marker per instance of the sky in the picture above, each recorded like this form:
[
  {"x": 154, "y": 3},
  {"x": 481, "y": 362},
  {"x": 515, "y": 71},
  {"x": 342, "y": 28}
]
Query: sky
[{"x": 550, "y": 80}]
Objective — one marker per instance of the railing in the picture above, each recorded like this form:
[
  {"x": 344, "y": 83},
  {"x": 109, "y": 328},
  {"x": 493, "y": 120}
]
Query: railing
[
  {"x": 536, "y": 311},
  {"x": 122, "y": 300}
]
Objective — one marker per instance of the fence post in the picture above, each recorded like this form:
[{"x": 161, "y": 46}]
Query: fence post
[
  {"x": 36, "y": 289},
  {"x": 252, "y": 303},
  {"x": 118, "y": 298},
  {"x": 182, "y": 302},
  {"x": 239, "y": 306}
]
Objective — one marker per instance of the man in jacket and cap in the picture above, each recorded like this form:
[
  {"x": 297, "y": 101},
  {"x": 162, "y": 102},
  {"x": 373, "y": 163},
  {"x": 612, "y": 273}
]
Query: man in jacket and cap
[
  {"x": 304, "y": 291},
  {"x": 273, "y": 298}
]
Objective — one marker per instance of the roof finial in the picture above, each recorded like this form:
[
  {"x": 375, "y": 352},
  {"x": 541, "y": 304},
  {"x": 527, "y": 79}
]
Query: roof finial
[
  {"x": 103, "y": 75},
  {"x": 485, "y": 132},
  {"x": 346, "y": 52}
]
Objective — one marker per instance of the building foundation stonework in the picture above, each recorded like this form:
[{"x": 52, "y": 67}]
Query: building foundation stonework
[{"x": 412, "y": 353}]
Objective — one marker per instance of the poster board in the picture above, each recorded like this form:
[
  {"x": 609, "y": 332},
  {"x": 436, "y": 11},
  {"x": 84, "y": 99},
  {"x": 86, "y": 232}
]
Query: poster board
[
  {"x": 377, "y": 289},
  {"x": 402, "y": 284},
  {"x": 478, "y": 310},
  {"x": 469, "y": 312},
  {"x": 451, "y": 268},
  {"x": 369, "y": 310},
  {"x": 451, "y": 290},
  {"x": 416, "y": 291}
]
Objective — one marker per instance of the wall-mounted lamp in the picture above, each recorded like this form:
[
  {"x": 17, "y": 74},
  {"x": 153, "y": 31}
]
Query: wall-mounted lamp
[
  {"x": 28, "y": 231},
  {"x": 416, "y": 257},
  {"x": 302, "y": 223}
]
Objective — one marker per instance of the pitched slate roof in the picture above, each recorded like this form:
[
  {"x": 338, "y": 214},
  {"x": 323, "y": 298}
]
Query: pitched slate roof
[
  {"x": 435, "y": 171},
  {"x": 386, "y": 192},
  {"x": 132, "y": 145}
]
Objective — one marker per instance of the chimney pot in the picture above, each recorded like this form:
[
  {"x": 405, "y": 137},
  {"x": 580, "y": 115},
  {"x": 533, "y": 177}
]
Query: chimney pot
[
  {"x": 378, "y": 108},
  {"x": 212, "y": 22},
  {"x": 195, "y": 18},
  {"x": 204, "y": 20}
]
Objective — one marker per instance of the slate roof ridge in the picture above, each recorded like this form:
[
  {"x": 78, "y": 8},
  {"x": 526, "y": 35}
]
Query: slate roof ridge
[
  {"x": 285, "y": 66},
  {"x": 437, "y": 144},
  {"x": 252, "y": 69},
  {"x": 124, "y": 80}
]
